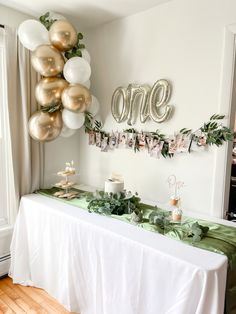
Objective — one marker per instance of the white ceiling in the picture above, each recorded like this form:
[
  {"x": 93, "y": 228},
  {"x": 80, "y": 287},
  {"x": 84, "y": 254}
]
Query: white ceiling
[{"x": 85, "y": 13}]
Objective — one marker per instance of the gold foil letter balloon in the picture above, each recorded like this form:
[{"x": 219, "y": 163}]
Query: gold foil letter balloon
[
  {"x": 137, "y": 96},
  {"x": 44, "y": 126},
  {"x": 63, "y": 35},
  {"x": 76, "y": 98},
  {"x": 47, "y": 60},
  {"x": 158, "y": 99},
  {"x": 119, "y": 104},
  {"x": 49, "y": 90}
]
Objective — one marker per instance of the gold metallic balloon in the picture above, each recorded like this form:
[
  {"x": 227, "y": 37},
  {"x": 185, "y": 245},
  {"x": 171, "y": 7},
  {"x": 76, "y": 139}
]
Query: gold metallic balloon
[
  {"x": 47, "y": 60},
  {"x": 76, "y": 97},
  {"x": 44, "y": 126},
  {"x": 48, "y": 91},
  {"x": 63, "y": 35}
]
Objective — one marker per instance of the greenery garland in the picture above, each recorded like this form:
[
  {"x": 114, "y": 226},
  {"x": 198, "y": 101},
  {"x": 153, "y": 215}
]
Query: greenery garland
[
  {"x": 122, "y": 203},
  {"x": 162, "y": 220},
  {"x": 113, "y": 203},
  {"x": 214, "y": 132}
]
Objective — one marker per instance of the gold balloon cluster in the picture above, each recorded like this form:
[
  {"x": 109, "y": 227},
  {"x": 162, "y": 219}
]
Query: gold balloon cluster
[{"x": 53, "y": 90}]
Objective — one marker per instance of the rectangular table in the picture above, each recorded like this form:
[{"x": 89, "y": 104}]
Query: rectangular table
[{"x": 93, "y": 264}]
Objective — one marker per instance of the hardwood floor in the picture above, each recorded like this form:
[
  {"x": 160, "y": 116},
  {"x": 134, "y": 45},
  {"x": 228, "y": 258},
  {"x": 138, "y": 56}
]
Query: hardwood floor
[{"x": 19, "y": 299}]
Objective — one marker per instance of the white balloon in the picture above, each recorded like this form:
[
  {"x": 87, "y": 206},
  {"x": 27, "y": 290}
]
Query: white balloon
[
  {"x": 77, "y": 70},
  {"x": 32, "y": 34},
  {"x": 73, "y": 120},
  {"x": 66, "y": 132},
  {"x": 87, "y": 84},
  {"x": 86, "y": 55},
  {"x": 94, "y": 107}
]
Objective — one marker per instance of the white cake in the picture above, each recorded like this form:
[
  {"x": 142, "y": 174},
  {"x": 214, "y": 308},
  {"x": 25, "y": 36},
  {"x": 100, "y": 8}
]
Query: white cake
[{"x": 114, "y": 186}]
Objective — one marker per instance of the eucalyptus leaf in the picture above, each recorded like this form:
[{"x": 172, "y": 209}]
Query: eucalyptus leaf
[
  {"x": 197, "y": 231},
  {"x": 109, "y": 203}
]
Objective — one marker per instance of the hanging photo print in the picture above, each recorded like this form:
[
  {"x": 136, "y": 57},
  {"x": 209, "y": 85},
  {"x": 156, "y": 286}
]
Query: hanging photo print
[
  {"x": 157, "y": 144},
  {"x": 98, "y": 139},
  {"x": 183, "y": 143},
  {"x": 92, "y": 138},
  {"x": 104, "y": 144},
  {"x": 122, "y": 140},
  {"x": 172, "y": 144},
  {"x": 131, "y": 138},
  {"x": 113, "y": 140},
  {"x": 202, "y": 140},
  {"x": 156, "y": 147},
  {"x": 141, "y": 141}
]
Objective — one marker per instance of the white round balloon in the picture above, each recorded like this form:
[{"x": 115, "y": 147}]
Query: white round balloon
[
  {"x": 77, "y": 70},
  {"x": 94, "y": 107},
  {"x": 86, "y": 55},
  {"x": 32, "y": 34},
  {"x": 66, "y": 132},
  {"x": 73, "y": 120},
  {"x": 87, "y": 84}
]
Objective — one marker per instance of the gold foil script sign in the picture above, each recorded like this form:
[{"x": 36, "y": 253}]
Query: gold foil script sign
[{"x": 151, "y": 102}]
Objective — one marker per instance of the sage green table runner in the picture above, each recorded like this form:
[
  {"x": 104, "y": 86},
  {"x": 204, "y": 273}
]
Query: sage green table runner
[{"x": 220, "y": 239}]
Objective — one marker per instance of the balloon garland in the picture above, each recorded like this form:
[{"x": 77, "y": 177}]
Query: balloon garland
[{"x": 64, "y": 65}]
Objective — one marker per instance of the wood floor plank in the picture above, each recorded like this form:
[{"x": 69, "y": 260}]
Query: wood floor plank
[
  {"x": 5, "y": 308},
  {"x": 11, "y": 304},
  {"x": 52, "y": 302},
  {"x": 8, "y": 290},
  {"x": 23, "y": 305},
  {"x": 24, "y": 296},
  {"x": 24, "y": 301},
  {"x": 17, "y": 299},
  {"x": 48, "y": 308},
  {"x": 32, "y": 294}
]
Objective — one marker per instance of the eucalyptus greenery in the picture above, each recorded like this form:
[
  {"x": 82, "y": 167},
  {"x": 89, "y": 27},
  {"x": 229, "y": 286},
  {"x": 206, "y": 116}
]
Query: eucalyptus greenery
[
  {"x": 113, "y": 203},
  {"x": 46, "y": 20},
  {"x": 197, "y": 231},
  {"x": 91, "y": 124},
  {"x": 162, "y": 220},
  {"x": 51, "y": 108},
  {"x": 76, "y": 50},
  {"x": 215, "y": 133}
]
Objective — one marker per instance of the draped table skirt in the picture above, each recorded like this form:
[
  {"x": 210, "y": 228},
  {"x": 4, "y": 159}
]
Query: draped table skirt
[{"x": 93, "y": 264}]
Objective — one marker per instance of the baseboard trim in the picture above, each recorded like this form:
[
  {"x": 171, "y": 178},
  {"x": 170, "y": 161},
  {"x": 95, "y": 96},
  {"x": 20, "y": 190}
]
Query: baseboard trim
[{"x": 4, "y": 266}]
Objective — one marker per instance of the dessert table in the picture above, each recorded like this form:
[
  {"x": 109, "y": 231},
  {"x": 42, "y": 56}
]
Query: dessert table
[{"x": 93, "y": 264}]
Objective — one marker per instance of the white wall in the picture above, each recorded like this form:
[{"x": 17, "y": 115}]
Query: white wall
[
  {"x": 182, "y": 41},
  {"x": 11, "y": 17},
  {"x": 57, "y": 153}
]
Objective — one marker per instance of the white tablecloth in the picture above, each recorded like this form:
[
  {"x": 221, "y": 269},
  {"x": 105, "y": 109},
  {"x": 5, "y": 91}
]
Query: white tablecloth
[{"x": 98, "y": 265}]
